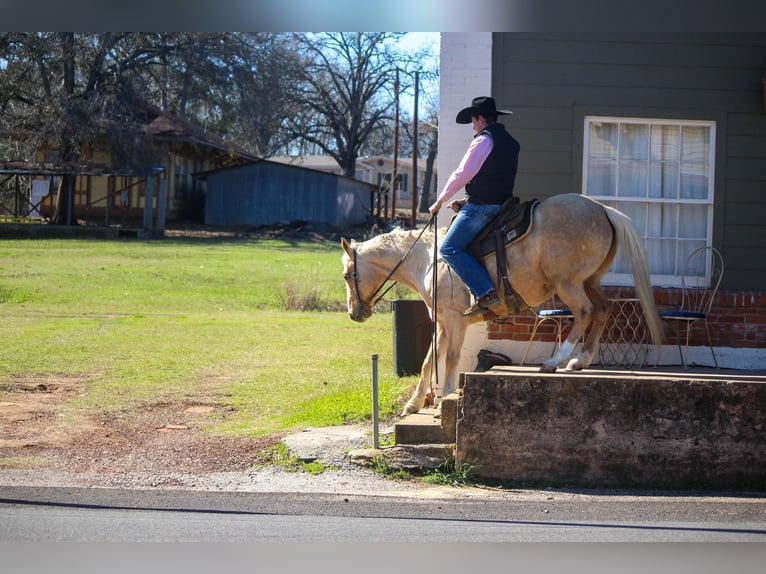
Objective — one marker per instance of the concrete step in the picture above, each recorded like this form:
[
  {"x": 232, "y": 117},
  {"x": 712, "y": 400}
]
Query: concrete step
[
  {"x": 424, "y": 427},
  {"x": 420, "y": 428}
]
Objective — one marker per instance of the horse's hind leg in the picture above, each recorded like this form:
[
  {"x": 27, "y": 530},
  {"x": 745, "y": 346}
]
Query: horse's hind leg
[
  {"x": 599, "y": 317},
  {"x": 590, "y": 309},
  {"x": 582, "y": 308}
]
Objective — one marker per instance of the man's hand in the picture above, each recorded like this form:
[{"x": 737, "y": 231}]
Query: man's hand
[
  {"x": 456, "y": 204},
  {"x": 435, "y": 207}
]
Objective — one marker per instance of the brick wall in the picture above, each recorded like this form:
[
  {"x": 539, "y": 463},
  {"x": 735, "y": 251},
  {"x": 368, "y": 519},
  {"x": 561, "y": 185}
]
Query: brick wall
[{"x": 737, "y": 319}]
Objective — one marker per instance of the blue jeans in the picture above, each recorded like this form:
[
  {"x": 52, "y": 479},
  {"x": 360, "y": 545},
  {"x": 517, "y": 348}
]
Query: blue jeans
[{"x": 470, "y": 220}]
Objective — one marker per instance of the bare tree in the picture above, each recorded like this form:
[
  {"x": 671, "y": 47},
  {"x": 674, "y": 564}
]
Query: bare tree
[{"x": 345, "y": 93}]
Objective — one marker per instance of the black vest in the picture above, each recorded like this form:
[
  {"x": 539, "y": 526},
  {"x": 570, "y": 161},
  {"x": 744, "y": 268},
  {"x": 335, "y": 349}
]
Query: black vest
[{"x": 494, "y": 182}]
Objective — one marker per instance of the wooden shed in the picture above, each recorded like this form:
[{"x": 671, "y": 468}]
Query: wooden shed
[{"x": 268, "y": 193}]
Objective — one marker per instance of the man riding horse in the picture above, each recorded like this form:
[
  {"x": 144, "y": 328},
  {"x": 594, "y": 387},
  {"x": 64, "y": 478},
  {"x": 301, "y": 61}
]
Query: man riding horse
[{"x": 487, "y": 172}]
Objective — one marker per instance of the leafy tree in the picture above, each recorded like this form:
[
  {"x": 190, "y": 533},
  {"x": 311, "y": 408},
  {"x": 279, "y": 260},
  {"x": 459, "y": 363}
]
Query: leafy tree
[
  {"x": 331, "y": 92},
  {"x": 62, "y": 89}
]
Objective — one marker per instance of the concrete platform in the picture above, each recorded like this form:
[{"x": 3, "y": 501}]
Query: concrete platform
[{"x": 663, "y": 427}]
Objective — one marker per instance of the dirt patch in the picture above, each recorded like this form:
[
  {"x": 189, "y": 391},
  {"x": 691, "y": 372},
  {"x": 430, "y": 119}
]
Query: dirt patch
[{"x": 163, "y": 438}]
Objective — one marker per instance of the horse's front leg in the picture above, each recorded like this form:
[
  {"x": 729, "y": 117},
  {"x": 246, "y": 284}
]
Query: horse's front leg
[
  {"x": 449, "y": 341},
  {"x": 449, "y": 345},
  {"x": 418, "y": 399}
]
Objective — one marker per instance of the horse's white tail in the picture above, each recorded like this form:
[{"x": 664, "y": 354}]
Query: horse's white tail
[{"x": 629, "y": 239}]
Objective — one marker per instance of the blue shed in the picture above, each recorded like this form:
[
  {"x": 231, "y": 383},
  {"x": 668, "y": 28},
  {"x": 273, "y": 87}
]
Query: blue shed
[{"x": 268, "y": 193}]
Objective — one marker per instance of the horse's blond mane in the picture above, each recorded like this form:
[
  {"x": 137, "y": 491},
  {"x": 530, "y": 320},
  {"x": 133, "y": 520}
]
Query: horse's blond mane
[{"x": 396, "y": 240}]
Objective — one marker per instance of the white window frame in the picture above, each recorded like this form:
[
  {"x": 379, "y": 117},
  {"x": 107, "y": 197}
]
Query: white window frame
[{"x": 682, "y": 245}]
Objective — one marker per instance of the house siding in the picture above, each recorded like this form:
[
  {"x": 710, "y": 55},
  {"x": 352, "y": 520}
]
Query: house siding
[{"x": 554, "y": 81}]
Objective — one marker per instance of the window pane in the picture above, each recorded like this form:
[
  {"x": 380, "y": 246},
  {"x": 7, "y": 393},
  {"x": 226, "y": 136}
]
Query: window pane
[
  {"x": 602, "y": 140},
  {"x": 633, "y": 178},
  {"x": 692, "y": 221},
  {"x": 666, "y": 141},
  {"x": 602, "y": 177},
  {"x": 637, "y": 214},
  {"x": 662, "y": 220},
  {"x": 663, "y": 180},
  {"x": 661, "y": 253},
  {"x": 694, "y": 181},
  {"x": 634, "y": 141},
  {"x": 696, "y": 144}
]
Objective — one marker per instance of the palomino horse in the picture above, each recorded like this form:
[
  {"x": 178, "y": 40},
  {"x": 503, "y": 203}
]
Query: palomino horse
[{"x": 570, "y": 245}]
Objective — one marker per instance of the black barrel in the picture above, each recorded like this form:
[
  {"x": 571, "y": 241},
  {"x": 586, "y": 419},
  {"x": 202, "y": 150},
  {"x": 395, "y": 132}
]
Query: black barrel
[{"x": 412, "y": 335}]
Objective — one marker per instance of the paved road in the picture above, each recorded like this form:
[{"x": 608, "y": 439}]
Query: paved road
[{"x": 106, "y": 515}]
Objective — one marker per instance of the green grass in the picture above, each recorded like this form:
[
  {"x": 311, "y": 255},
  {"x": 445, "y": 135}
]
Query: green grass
[{"x": 136, "y": 322}]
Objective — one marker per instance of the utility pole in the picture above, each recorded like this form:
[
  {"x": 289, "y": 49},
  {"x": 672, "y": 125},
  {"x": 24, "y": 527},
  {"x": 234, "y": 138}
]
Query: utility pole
[
  {"x": 396, "y": 145},
  {"x": 413, "y": 221}
]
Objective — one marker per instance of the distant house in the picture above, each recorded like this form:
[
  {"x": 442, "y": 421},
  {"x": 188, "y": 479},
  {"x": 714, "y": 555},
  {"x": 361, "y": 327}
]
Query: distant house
[
  {"x": 175, "y": 149},
  {"x": 266, "y": 193}
]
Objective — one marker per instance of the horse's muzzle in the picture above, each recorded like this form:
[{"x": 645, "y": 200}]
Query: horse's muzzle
[{"x": 360, "y": 313}]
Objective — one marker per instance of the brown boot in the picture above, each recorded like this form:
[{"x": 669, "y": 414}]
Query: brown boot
[{"x": 484, "y": 304}]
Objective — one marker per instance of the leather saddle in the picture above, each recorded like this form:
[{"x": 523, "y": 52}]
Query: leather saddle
[{"x": 511, "y": 223}]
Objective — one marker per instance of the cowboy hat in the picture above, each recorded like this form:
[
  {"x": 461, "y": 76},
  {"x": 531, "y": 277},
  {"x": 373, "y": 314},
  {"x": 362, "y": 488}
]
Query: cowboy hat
[{"x": 482, "y": 105}]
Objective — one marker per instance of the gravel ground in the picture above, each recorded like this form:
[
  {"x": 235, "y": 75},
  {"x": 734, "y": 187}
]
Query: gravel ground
[
  {"x": 164, "y": 445},
  {"x": 330, "y": 446}
]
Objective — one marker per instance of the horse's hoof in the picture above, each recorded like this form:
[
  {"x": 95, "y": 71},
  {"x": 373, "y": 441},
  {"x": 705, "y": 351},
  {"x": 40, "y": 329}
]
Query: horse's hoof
[
  {"x": 575, "y": 365},
  {"x": 410, "y": 408},
  {"x": 547, "y": 368}
]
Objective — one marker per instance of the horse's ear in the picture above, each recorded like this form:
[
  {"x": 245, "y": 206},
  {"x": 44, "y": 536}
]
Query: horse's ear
[{"x": 346, "y": 247}]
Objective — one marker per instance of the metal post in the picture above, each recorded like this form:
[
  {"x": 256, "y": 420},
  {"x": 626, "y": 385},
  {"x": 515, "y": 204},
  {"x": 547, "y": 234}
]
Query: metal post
[
  {"x": 148, "y": 204},
  {"x": 161, "y": 202},
  {"x": 375, "y": 430}
]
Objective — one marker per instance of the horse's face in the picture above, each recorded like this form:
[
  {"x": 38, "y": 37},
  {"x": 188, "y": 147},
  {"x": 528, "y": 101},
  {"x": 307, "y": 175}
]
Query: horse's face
[{"x": 359, "y": 309}]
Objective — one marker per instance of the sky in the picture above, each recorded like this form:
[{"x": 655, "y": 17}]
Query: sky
[{"x": 413, "y": 41}]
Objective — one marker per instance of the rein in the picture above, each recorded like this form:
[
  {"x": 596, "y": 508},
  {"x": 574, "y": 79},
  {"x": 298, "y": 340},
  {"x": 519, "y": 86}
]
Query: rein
[
  {"x": 371, "y": 300},
  {"x": 434, "y": 331}
]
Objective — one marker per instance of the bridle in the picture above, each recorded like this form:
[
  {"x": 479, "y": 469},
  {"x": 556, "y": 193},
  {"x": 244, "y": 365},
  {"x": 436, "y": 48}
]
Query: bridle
[{"x": 374, "y": 297}]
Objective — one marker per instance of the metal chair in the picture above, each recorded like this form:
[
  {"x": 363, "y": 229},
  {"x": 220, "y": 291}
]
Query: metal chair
[
  {"x": 551, "y": 310},
  {"x": 696, "y": 295}
]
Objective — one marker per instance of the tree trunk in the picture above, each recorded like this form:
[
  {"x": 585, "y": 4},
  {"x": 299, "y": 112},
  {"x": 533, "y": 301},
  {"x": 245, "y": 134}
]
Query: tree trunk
[{"x": 63, "y": 214}]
